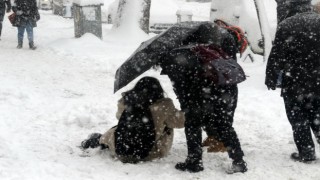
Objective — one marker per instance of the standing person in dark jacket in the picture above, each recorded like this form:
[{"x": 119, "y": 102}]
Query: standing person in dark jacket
[
  {"x": 3, "y": 10},
  {"x": 205, "y": 104},
  {"x": 296, "y": 52},
  {"x": 27, "y": 15},
  {"x": 283, "y": 8}
]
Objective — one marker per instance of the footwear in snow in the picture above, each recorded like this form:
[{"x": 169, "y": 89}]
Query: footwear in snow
[
  {"x": 238, "y": 166},
  {"x": 19, "y": 45},
  {"x": 92, "y": 141},
  {"x": 296, "y": 157},
  {"x": 190, "y": 165},
  {"x": 32, "y": 46}
]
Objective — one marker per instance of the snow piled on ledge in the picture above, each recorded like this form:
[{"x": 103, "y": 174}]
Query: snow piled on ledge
[{"x": 88, "y": 2}]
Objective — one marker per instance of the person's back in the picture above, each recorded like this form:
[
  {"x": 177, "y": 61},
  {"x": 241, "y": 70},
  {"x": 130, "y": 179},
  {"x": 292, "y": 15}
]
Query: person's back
[
  {"x": 188, "y": 83},
  {"x": 298, "y": 39}
]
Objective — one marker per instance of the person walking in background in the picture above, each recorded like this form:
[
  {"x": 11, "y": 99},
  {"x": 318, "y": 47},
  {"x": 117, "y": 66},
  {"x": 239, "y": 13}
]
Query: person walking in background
[
  {"x": 145, "y": 128},
  {"x": 5, "y": 6},
  {"x": 27, "y": 15},
  {"x": 296, "y": 52}
]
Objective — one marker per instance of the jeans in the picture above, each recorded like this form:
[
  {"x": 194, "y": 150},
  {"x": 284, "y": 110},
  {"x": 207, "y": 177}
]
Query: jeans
[{"x": 29, "y": 29}]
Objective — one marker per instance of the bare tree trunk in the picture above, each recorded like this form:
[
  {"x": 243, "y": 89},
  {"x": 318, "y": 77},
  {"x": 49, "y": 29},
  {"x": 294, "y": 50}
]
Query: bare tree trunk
[
  {"x": 144, "y": 21},
  {"x": 121, "y": 6},
  {"x": 133, "y": 10}
]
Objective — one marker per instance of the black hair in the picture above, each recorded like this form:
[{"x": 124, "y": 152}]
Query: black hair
[{"x": 147, "y": 91}]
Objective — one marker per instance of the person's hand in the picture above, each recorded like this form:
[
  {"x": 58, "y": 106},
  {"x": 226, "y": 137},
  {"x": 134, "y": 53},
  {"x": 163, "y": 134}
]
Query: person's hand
[
  {"x": 19, "y": 13},
  {"x": 8, "y": 10},
  {"x": 272, "y": 87}
]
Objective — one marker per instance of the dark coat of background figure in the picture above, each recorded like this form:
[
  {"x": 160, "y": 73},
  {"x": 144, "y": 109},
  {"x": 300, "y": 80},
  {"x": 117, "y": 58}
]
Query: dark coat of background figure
[
  {"x": 296, "y": 52},
  {"x": 205, "y": 104},
  {"x": 5, "y": 6},
  {"x": 27, "y": 15},
  {"x": 284, "y": 6},
  {"x": 29, "y": 11}
]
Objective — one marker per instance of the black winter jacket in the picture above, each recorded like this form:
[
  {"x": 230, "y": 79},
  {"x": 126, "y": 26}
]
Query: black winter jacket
[
  {"x": 296, "y": 52},
  {"x": 29, "y": 11},
  {"x": 185, "y": 72},
  {"x": 3, "y": 4}
]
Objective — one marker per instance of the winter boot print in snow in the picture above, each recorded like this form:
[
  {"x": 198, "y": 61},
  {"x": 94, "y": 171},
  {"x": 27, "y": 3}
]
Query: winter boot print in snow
[
  {"x": 19, "y": 45},
  {"x": 32, "y": 46},
  {"x": 92, "y": 141},
  {"x": 190, "y": 165}
]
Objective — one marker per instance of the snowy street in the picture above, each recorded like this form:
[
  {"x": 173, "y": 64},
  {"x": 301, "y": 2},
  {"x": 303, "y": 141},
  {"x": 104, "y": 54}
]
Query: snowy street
[{"x": 54, "y": 97}]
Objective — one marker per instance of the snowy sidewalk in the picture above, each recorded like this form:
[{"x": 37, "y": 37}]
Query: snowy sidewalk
[{"x": 53, "y": 97}]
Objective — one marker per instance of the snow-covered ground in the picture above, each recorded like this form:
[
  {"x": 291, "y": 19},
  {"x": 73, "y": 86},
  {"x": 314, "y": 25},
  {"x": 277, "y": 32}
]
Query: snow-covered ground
[{"x": 53, "y": 97}]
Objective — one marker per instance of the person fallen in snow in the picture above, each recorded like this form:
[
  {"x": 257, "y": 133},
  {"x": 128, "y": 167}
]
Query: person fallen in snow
[
  {"x": 145, "y": 128},
  {"x": 296, "y": 52}
]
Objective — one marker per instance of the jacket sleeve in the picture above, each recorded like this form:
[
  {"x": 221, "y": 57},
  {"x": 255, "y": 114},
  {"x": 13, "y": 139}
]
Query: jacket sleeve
[
  {"x": 121, "y": 108},
  {"x": 175, "y": 118},
  {"x": 14, "y": 7},
  {"x": 277, "y": 56}
]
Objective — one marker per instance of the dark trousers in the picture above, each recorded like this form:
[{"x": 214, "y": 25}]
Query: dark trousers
[
  {"x": 0, "y": 27},
  {"x": 1, "y": 20},
  {"x": 303, "y": 113},
  {"x": 215, "y": 114}
]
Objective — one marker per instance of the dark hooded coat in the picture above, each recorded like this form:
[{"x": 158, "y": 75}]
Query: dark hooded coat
[
  {"x": 3, "y": 4},
  {"x": 284, "y": 6},
  {"x": 296, "y": 52},
  {"x": 29, "y": 11}
]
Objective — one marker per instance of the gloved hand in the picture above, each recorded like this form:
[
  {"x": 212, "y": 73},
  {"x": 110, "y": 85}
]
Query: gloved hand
[
  {"x": 19, "y": 13},
  {"x": 8, "y": 10},
  {"x": 272, "y": 87}
]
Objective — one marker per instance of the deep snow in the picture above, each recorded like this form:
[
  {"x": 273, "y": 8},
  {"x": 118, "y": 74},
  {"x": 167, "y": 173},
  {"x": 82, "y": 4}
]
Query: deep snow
[{"x": 53, "y": 97}]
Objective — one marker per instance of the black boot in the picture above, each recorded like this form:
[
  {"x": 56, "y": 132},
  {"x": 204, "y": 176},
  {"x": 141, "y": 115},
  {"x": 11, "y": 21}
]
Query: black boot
[
  {"x": 92, "y": 141},
  {"x": 19, "y": 45},
  {"x": 305, "y": 159},
  {"x": 238, "y": 166},
  {"x": 32, "y": 46},
  {"x": 190, "y": 165}
]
